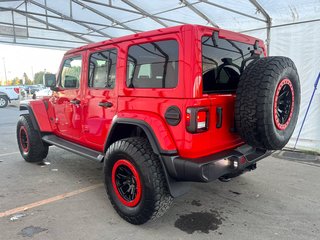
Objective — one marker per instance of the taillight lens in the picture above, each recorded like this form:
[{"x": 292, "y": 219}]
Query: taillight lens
[
  {"x": 188, "y": 117},
  {"x": 197, "y": 119},
  {"x": 202, "y": 120},
  {"x": 17, "y": 90}
]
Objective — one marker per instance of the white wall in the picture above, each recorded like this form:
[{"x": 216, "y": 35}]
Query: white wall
[{"x": 301, "y": 42}]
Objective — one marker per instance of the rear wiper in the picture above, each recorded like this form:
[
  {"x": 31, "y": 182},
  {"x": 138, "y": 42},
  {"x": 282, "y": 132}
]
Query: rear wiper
[
  {"x": 215, "y": 38},
  {"x": 255, "y": 55}
]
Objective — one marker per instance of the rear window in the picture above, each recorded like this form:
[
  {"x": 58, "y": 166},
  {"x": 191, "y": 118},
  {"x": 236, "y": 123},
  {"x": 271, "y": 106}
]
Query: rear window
[
  {"x": 222, "y": 64},
  {"x": 153, "y": 65}
]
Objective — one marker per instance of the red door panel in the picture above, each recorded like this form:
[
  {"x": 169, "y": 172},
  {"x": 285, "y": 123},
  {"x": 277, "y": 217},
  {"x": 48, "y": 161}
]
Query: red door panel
[
  {"x": 97, "y": 119},
  {"x": 67, "y": 100},
  {"x": 100, "y": 91}
]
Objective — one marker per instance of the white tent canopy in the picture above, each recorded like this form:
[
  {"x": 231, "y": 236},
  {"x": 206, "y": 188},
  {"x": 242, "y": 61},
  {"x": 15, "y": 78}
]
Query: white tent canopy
[{"x": 289, "y": 27}]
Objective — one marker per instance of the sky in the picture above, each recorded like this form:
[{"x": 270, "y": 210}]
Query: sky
[{"x": 20, "y": 59}]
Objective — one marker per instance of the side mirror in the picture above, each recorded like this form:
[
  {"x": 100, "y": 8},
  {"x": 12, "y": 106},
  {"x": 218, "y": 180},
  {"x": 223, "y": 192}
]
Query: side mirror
[{"x": 49, "y": 80}]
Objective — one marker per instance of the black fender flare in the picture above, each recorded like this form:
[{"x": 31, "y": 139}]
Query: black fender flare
[
  {"x": 145, "y": 127},
  {"x": 25, "y": 106},
  {"x": 175, "y": 187}
]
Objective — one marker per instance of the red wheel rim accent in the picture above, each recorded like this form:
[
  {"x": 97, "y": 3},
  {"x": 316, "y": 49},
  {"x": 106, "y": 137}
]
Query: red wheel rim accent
[
  {"x": 24, "y": 139},
  {"x": 126, "y": 178},
  {"x": 282, "y": 121}
]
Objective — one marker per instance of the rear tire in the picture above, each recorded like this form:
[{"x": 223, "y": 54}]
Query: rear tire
[
  {"x": 268, "y": 102},
  {"x": 3, "y": 101},
  {"x": 31, "y": 146},
  {"x": 132, "y": 162}
]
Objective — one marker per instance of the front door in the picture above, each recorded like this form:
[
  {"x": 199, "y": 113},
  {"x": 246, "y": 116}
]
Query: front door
[
  {"x": 67, "y": 100},
  {"x": 100, "y": 101}
]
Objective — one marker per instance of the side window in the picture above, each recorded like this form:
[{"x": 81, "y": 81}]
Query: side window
[
  {"x": 153, "y": 65},
  {"x": 71, "y": 72},
  {"x": 102, "y": 69}
]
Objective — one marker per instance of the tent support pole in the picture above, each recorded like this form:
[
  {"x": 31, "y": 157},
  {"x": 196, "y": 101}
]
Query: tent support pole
[
  {"x": 305, "y": 115},
  {"x": 268, "y": 19}
]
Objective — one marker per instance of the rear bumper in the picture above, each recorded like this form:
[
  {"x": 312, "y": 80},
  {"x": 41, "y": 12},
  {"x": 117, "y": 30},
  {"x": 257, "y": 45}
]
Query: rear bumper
[{"x": 209, "y": 168}]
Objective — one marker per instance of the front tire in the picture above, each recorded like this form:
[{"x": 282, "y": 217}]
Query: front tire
[
  {"x": 31, "y": 146},
  {"x": 3, "y": 101},
  {"x": 135, "y": 181}
]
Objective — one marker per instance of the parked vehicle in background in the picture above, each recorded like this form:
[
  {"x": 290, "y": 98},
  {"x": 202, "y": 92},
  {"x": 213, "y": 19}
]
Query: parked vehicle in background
[
  {"x": 163, "y": 108},
  {"x": 31, "y": 89},
  {"x": 7, "y": 94},
  {"x": 43, "y": 93}
]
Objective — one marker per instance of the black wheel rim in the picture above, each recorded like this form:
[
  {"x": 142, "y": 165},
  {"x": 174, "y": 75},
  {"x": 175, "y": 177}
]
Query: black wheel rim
[
  {"x": 24, "y": 139},
  {"x": 126, "y": 183},
  {"x": 284, "y": 104},
  {"x": 2, "y": 102}
]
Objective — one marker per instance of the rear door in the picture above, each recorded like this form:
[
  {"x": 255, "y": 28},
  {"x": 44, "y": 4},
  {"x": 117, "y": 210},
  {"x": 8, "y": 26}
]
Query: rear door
[
  {"x": 67, "y": 101},
  {"x": 100, "y": 98}
]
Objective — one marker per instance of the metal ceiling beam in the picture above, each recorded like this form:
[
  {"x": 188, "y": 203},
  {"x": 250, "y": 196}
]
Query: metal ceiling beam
[
  {"x": 43, "y": 38},
  {"x": 199, "y": 13},
  {"x": 268, "y": 19},
  {"x": 136, "y": 12},
  {"x": 114, "y": 21},
  {"x": 61, "y": 18},
  {"x": 112, "y": 6},
  {"x": 38, "y": 45},
  {"x": 50, "y": 29},
  {"x": 20, "y": 4},
  {"x": 27, "y": 21},
  {"x": 281, "y": 25},
  {"x": 69, "y": 18},
  {"x": 232, "y": 10},
  {"x": 51, "y": 25},
  {"x": 46, "y": 12},
  {"x": 144, "y": 13},
  {"x": 70, "y": 9},
  {"x": 14, "y": 27}
]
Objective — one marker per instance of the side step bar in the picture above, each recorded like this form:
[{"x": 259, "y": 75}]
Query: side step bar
[{"x": 73, "y": 147}]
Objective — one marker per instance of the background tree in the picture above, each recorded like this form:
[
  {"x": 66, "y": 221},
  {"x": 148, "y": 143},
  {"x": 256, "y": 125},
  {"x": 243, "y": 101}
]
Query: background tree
[
  {"x": 38, "y": 77},
  {"x": 16, "y": 81},
  {"x": 27, "y": 79}
]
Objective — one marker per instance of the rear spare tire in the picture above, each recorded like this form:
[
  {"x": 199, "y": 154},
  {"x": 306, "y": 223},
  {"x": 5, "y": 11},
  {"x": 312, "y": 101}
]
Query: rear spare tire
[{"x": 268, "y": 102}]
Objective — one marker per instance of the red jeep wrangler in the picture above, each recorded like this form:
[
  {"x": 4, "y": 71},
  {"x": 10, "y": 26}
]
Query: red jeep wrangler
[{"x": 161, "y": 108}]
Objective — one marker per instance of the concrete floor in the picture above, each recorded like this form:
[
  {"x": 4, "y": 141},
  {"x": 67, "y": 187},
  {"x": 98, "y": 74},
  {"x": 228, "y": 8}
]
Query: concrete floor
[{"x": 279, "y": 200}]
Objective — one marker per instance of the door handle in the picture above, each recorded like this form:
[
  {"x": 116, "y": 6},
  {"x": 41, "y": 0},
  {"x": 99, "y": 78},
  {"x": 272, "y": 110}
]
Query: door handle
[
  {"x": 219, "y": 117},
  {"x": 75, "y": 101},
  {"x": 105, "y": 104}
]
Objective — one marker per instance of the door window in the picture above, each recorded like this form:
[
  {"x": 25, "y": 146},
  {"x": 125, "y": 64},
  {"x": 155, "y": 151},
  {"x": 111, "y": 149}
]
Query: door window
[
  {"x": 102, "y": 69},
  {"x": 71, "y": 72},
  {"x": 153, "y": 65}
]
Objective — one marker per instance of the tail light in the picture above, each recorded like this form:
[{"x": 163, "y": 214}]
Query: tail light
[
  {"x": 17, "y": 90},
  {"x": 197, "y": 119}
]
